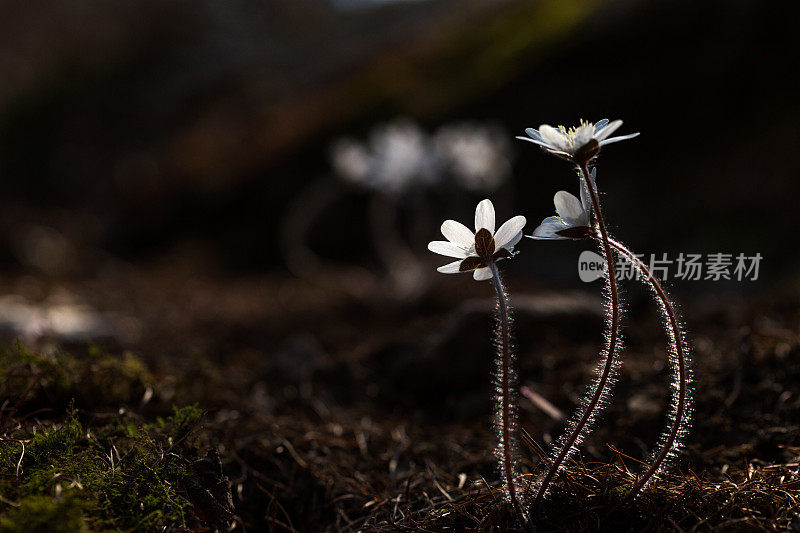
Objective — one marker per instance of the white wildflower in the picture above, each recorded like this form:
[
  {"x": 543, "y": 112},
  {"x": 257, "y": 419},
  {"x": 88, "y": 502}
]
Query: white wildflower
[
  {"x": 578, "y": 144},
  {"x": 475, "y": 251}
]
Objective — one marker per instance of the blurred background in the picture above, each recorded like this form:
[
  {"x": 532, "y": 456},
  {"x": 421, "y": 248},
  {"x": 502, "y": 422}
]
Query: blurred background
[
  {"x": 173, "y": 153},
  {"x": 216, "y": 177},
  {"x": 242, "y": 193}
]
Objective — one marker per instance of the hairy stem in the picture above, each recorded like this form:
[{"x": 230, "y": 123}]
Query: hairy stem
[
  {"x": 680, "y": 414},
  {"x": 589, "y": 412},
  {"x": 506, "y": 401}
]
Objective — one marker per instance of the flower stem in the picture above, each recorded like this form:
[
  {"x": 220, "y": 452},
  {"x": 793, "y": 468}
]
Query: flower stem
[
  {"x": 602, "y": 381},
  {"x": 505, "y": 416},
  {"x": 680, "y": 415}
]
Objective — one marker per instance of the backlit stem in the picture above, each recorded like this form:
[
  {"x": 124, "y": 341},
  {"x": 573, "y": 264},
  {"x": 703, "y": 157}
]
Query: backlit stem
[
  {"x": 506, "y": 410},
  {"x": 677, "y": 347},
  {"x": 576, "y": 430}
]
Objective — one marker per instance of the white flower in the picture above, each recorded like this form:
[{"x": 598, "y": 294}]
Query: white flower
[
  {"x": 475, "y": 251},
  {"x": 576, "y": 144},
  {"x": 573, "y": 219},
  {"x": 477, "y": 156},
  {"x": 397, "y": 157}
]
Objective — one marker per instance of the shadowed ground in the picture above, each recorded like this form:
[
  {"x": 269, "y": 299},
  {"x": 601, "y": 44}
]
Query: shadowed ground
[{"x": 332, "y": 430}]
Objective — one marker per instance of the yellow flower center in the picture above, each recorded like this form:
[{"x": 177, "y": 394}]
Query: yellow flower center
[{"x": 569, "y": 133}]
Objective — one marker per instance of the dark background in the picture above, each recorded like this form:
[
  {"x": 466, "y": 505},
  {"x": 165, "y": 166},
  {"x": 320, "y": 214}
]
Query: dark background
[{"x": 131, "y": 129}]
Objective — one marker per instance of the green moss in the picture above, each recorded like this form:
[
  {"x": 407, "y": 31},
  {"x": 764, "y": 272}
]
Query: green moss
[
  {"x": 183, "y": 421},
  {"x": 36, "y": 514},
  {"x": 93, "y": 378},
  {"x": 125, "y": 476},
  {"x": 111, "y": 473},
  {"x": 619, "y": 493}
]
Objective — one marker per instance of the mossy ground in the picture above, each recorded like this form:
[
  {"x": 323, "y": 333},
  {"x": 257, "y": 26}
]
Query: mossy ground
[{"x": 64, "y": 468}]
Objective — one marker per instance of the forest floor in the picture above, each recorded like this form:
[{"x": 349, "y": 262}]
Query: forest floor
[{"x": 278, "y": 406}]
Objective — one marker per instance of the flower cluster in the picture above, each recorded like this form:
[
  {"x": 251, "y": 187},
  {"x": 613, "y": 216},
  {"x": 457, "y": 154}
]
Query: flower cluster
[
  {"x": 573, "y": 219},
  {"x": 576, "y": 218},
  {"x": 400, "y": 156}
]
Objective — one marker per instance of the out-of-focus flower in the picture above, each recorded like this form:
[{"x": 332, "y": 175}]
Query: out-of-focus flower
[
  {"x": 475, "y": 251},
  {"x": 400, "y": 156},
  {"x": 397, "y": 157},
  {"x": 578, "y": 144},
  {"x": 61, "y": 320},
  {"x": 351, "y": 160},
  {"x": 477, "y": 156}
]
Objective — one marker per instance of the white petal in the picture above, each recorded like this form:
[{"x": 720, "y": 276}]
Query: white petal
[
  {"x": 554, "y": 138},
  {"x": 533, "y": 134},
  {"x": 620, "y": 138},
  {"x": 481, "y": 274},
  {"x": 450, "y": 268},
  {"x": 608, "y": 130},
  {"x": 600, "y": 125},
  {"x": 548, "y": 228},
  {"x": 447, "y": 248},
  {"x": 484, "y": 216},
  {"x": 458, "y": 233},
  {"x": 508, "y": 231},
  {"x": 513, "y": 242},
  {"x": 534, "y": 141},
  {"x": 583, "y": 135},
  {"x": 569, "y": 208}
]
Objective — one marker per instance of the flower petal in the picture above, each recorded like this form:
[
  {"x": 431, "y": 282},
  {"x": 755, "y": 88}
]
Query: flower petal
[
  {"x": 570, "y": 209},
  {"x": 583, "y": 135},
  {"x": 600, "y": 125},
  {"x": 450, "y": 268},
  {"x": 484, "y": 216},
  {"x": 620, "y": 138},
  {"x": 607, "y": 130},
  {"x": 554, "y": 138},
  {"x": 458, "y": 233},
  {"x": 482, "y": 274},
  {"x": 533, "y": 134},
  {"x": 534, "y": 141},
  {"x": 548, "y": 228},
  {"x": 508, "y": 231},
  {"x": 513, "y": 242},
  {"x": 447, "y": 248}
]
